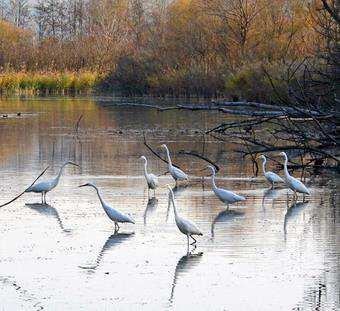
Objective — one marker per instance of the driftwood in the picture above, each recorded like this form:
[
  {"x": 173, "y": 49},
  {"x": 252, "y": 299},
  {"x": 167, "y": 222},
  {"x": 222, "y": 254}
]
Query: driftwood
[
  {"x": 18, "y": 196},
  {"x": 189, "y": 153}
]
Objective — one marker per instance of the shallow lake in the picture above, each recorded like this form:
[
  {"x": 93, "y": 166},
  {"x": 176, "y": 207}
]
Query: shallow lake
[{"x": 263, "y": 254}]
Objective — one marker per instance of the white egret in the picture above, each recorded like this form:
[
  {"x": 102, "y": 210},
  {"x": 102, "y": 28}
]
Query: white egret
[
  {"x": 115, "y": 215},
  {"x": 151, "y": 179},
  {"x": 293, "y": 183},
  {"x": 176, "y": 173},
  {"x": 226, "y": 196},
  {"x": 46, "y": 186},
  {"x": 270, "y": 176},
  {"x": 186, "y": 226}
]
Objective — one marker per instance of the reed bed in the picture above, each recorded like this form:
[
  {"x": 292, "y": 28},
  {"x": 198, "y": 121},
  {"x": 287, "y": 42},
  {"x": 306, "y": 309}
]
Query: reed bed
[{"x": 41, "y": 83}]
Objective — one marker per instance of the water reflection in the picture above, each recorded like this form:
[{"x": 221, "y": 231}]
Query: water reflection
[
  {"x": 151, "y": 207},
  {"x": 48, "y": 210},
  {"x": 270, "y": 194},
  {"x": 177, "y": 190},
  {"x": 184, "y": 265},
  {"x": 293, "y": 211},
  {"x": 112, "y": 241},
  {"x": 225, "y": 217}
]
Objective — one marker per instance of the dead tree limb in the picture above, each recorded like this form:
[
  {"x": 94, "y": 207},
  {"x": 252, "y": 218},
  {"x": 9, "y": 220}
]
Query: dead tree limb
[{"x": 18, "y": 196}]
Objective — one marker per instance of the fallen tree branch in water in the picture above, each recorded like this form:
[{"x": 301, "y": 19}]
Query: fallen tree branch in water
[
  {"x": 156, "y": 153},
  {"x": 18, "y": 196},
  {"x": 195, "y": 154}
]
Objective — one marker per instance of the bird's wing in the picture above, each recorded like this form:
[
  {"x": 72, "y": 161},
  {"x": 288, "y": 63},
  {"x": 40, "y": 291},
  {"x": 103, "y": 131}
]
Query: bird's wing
[
  {"x": 154, "y": 179},
  {"x": 272, "y": 177},
  {"x": 191, "y": 227},
  {"x": 116, "y": 215},
  {"x": 299, "y": 186},
  {"x": 228, "y": 195},
  {"x": 39, "y": 187},
  {"x": 179, "y": 174}
]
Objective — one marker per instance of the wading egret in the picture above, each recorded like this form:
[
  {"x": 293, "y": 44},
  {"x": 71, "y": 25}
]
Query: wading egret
[
  {"x": 46, "y": 186},
  {"x": 226, "y": 196},
  {"x": 293, "y": 183},
  {"x": 270, "y": 176},
  {"x": 186, "y": 226},
  {"x": 151, "y": 179},
  {"x": 176, "y": 173},
  {"x": 113, "y": 214}
]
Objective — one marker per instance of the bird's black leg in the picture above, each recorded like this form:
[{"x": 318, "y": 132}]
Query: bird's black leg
[
  {"x": 42, "y": 198},
  {"x": 272, "y": 186},
  {"x": 193, "y": 239}
]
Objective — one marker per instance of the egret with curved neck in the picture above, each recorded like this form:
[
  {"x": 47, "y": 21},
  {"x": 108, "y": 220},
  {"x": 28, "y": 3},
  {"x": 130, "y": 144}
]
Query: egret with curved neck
[
  {"x": 292, "y": 182},
  {"x": 151, "y": 179},
  {"x": 270, "y": 176},
  {"x": 185, "y": 226},
  {"x": 115, "y": 215},
  {"x": 176, "y": 173},
  {"x": 226, "y": 196},
  {"x": 46, "y": 186}
]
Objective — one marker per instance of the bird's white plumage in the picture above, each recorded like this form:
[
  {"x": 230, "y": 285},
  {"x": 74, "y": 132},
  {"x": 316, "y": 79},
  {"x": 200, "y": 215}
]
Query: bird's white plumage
[
  {"x": 224, "y": 195},
  {"x": 151, "y": 179},
  {"x": 176, "y": 173},
  {"x": 270, "y": 176},
  {"x": 186, "y": 226},
  {"x": 48, "y": 185},
  {"x": 293, "y": 183},
  {"x": 115, "y": 215}
]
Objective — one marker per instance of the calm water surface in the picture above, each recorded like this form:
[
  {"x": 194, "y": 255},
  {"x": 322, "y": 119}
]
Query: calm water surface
[{"x": 264, "y": 254}]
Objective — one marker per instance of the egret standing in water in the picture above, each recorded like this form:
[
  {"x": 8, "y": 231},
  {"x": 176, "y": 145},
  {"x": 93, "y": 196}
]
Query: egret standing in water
[
  {"x": 46, "y": 186},
  {"x": 186, "y": 226},
  {"x": 226, "y": 196},
  {"x": 113, "y": 214},
  {"x": 270, "y": 176},
  {"x": 151, "y": 179},
  {"x": 176, "y": 173},
  {"x": 293, "y": 183}
]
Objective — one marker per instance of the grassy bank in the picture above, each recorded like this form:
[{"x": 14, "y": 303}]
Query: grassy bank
[
  {"x": 45, "y": 83},
  {"x": 132, "y": 78}
]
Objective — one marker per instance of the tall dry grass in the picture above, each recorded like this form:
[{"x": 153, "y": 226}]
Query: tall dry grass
[{"x": 41, "y": 83}]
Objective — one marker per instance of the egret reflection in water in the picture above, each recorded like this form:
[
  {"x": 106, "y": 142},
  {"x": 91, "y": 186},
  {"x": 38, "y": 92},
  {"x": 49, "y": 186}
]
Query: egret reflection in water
[
  {"x": 224, "y": 217},
  {"x": 112, "y": 241},
  {"x": 184, "y": 265},
  {"x": 151, "y": 207},
  {"x": 293, "y": 211},
  {"x": 48, "y": 210},
  {"x": 270, "y": 194}
]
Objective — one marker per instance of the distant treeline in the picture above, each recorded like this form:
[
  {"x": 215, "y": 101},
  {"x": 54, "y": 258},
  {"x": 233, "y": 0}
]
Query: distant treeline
[{"x": 233, "y": 48}]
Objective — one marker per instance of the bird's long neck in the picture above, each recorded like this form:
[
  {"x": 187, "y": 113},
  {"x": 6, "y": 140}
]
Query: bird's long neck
[
  {"x": 285, "y": 167},
  {"x": 264, "y": 165},
  {"x": 99, "y": 196},
  {"x": 168, "y": 156},
  {"x": 174, "y": 205},
  {"x": 145, "y": 168},
  {"x": 213, "y": 181},
  {"x": 60, "y": 173}
]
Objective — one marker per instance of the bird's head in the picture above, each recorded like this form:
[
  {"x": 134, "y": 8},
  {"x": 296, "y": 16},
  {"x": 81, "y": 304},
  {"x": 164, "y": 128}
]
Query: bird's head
[
  {"x": 142, "y": 158},
  {"x": 87, "y": 185},
  {"x": 262, "y": 157},
  {"x": 72, "y": 163},
  {"x": 283, "y": 154},
  {"x": 164, "y": 146},
  {"x": 211, "y": 168}
]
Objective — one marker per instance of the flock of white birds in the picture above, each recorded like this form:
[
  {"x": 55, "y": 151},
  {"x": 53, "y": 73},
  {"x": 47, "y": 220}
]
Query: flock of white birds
[{"x": 185, "y": 226}]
